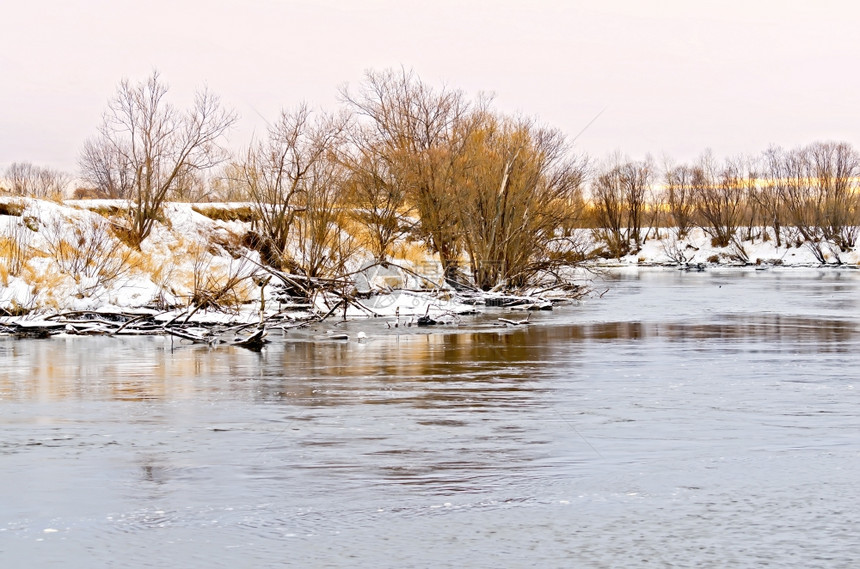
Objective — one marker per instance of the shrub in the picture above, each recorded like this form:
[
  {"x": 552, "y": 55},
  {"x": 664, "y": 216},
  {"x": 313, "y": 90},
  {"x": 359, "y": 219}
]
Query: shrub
[
  {"x": 27, "y": 179},
  {"x": 674, "y": 250},
  {"x": 224, "y": 288},
  {"x": 87, "y": 250}
]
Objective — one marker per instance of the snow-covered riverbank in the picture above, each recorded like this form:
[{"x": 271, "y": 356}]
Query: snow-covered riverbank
[
  {"x": 197, "y": 266},
  {"x": 57, "y": 258},
  {"x": 664, "y": 248}
]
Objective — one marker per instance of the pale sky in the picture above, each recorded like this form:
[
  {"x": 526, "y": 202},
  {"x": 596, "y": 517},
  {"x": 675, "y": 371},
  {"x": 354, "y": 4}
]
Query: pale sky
[{"x": 674, "y": 77}]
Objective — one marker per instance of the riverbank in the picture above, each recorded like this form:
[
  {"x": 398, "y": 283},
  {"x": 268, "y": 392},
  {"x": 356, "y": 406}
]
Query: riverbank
[
  {"x": 757, "y": 247},
  {"x": 198, "y": 266}
]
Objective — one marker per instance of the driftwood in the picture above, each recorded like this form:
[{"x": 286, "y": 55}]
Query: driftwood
[
  {"x": 334, "y": 294},
  {"x": 179, "y": 325},
  {"x": 515, "y": 322},
  {"x": 341, "y": 286},
  {"x": 119, "y": 323},
  {"x": 255, "y": 341}
]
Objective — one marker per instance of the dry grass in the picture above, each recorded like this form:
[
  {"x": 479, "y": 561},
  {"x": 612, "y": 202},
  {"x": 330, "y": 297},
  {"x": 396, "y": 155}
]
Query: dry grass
[
  {"x": 360, "y": 234},
  {"x": 411, "y": 251},
  {"x": 163, "y": 273},
  {"x": 159, "y": 270},
  {"x": 15, "y": 250},
  {"x": 13, "y": 255},
  {"x": 110, "y": 211},
  {"x": 15, "y": 309},
  {"x": 46, "y": 287},
  {"x": 87, "y": 250},
  {"x": 244, "y": 213},
  {"x": 227, "y": 241},
  {"x": 183, "y": 247},
  {"x": 12, "y": 208}
]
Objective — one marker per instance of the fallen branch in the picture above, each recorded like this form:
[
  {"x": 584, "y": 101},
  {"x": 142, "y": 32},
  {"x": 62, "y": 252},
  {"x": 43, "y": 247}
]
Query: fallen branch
[{"x": 516, "y": 322}]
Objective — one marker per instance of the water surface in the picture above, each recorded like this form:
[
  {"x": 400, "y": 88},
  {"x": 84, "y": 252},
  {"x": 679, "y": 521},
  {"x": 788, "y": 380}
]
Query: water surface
[{"x": 681, "y": 419}]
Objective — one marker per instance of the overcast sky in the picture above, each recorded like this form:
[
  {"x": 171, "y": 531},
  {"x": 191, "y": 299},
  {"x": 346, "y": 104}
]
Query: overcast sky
[{"x": 671, "y": 78}]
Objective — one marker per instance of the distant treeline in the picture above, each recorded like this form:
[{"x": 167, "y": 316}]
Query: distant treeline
[
  {"x": 807, "y": 195},
  {"x": 401, "y": 159}
]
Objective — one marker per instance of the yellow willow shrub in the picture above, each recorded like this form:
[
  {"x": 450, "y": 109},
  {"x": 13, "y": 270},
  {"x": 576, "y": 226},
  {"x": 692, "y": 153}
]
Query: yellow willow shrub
[
  {"x": 416, "y": 144},
  {"x": 520, "y": 188},
  {"x": 376, "y": 192}
]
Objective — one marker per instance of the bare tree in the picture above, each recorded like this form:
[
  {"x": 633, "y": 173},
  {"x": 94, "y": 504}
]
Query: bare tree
[
  {"x": 194, "y": 187},
  {"x": 323, "y": 247},
  {"x": 107, "y": 169},
  {"x": 376, "y": 192},
  {"x": 146, "y": 148},
  {"x": 419, "y": 128},
  {"x": 637, "y": 183},
  {"x": 750, "y": 185},
  {"x": 790, "y": 174},
  {"x": 619, "y": 194},
  {"x": 720, "y": 193},
  {"x": 228, "y": 184},
  {"x": 835, "y": 168},
  {"x": 769, "y": 195},
  {"x": 279, "y": 172},
  {"x": 27, "y": 179},
  {"x": 818, "y": 186},
  {"x": 679, "y": 198}
]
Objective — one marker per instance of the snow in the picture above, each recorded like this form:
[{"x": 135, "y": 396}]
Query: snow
[
  {"x": 189, "y": 247},
  {"x": 696, "y": 248},
  {"x": 15, "y": 293},
  {"x": 410, "y": 305}
]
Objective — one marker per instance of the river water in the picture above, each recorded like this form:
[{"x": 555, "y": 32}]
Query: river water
[{"x": 680, "y": 420}]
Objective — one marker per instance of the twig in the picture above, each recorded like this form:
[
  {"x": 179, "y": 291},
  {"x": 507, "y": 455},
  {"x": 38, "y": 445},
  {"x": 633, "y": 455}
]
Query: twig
[{"x": 132, "y": 321}]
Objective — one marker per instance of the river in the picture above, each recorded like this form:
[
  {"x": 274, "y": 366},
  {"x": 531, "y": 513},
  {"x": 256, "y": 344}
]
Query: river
[{"x": 679, "y": 420}]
